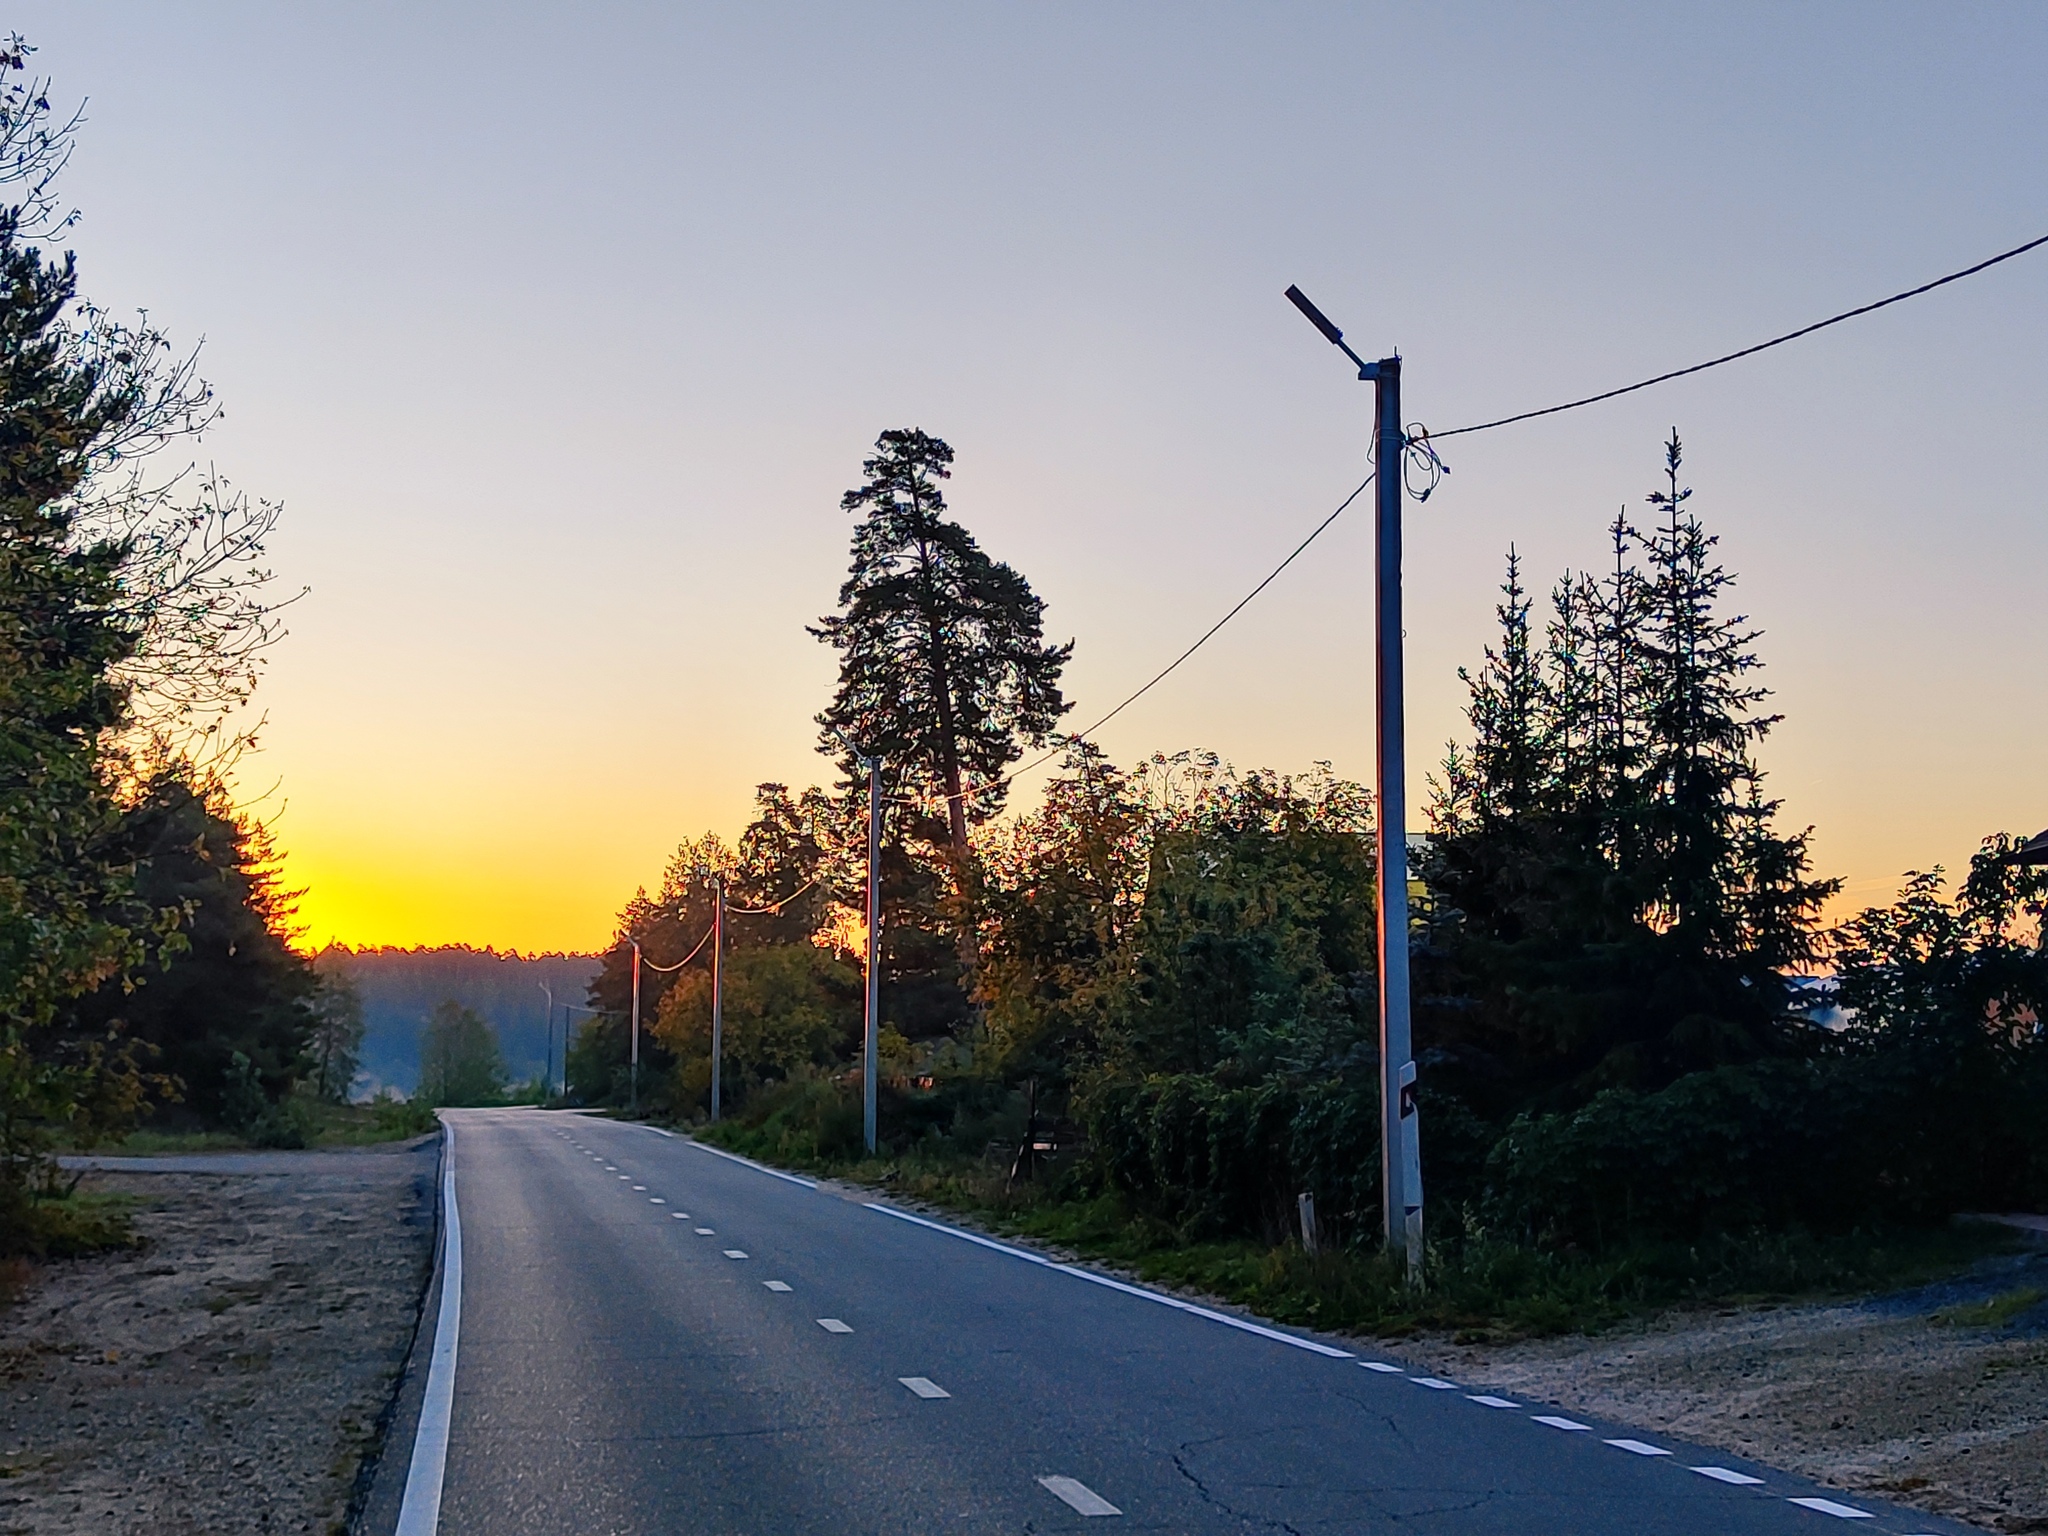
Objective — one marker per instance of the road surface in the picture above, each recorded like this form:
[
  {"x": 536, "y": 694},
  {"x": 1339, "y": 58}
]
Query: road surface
[{"x": 655, "y": 1337}]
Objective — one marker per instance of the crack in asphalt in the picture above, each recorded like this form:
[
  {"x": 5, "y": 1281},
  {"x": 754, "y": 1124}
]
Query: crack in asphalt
[{"x": 1202, "y": 1489}]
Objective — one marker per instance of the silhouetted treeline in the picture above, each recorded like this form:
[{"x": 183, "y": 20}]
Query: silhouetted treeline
[{"x": 1614, "y": 952}]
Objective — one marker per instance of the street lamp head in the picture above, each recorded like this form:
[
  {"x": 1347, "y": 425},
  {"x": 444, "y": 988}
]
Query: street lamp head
[
  {"x": 1367, "y": 372},
  {"x": 1316, "y": 317}
]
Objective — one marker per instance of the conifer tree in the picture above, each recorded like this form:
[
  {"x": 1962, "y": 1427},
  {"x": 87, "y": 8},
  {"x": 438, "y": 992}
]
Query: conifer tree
[{"x": 944, "y": 671}]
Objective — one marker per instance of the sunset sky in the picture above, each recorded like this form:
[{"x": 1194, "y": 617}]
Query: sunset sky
[{"x": 559, "y": 330}]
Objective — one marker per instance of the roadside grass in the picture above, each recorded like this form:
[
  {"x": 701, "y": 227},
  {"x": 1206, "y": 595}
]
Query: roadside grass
[
  {"x": 66, "y": 1225},
  {"x": 1478, "y": 1288},
  {"x": 315, "y": 1122},
  {"x": 1993, "y": 1312}
]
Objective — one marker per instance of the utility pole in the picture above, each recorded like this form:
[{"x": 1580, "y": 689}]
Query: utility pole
[
  {"x": 636, "y": 1026},
  {"x": 547, "y": 1070},
  {"x": 1400, "y": 1142},
  {"x": 717, "y": 987},
  {"x": 870, "y": 1048}
]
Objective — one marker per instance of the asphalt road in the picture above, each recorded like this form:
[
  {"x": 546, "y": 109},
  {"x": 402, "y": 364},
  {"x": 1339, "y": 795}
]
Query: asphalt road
[{"x": 655, "y": 1337}]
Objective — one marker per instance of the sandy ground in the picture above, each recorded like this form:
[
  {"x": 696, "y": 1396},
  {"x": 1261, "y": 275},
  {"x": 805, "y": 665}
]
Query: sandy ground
[
  {"x": 229, "y": 1376},
  {"x": 1879, "y": 1396}
]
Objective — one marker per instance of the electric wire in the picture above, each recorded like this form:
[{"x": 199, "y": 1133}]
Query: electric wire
[
  {"x": 665, "y": 969},
  {"x": 1207, "y": 635},
  {"x": 1762, "y": 346},
  {"x": 776, "y": 907}
]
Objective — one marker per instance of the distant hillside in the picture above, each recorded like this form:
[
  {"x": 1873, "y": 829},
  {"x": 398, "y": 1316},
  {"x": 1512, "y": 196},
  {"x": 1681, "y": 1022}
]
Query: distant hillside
[{"x": 400, "y": 987}]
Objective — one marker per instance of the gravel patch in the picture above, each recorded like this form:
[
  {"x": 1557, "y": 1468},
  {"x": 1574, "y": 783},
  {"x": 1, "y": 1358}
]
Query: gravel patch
[
  {"x": 1893, "y": 1396},
  {"x": 229, "y": 1376}
]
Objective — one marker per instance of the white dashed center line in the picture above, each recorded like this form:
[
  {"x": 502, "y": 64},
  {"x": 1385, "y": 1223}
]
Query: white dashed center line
[
  {"x": 1491, "y": 1402},
  {"x": 1728, "y": 1475},
  {"x": 1639, "y": 1448},
  {"x": 680, "y": 1215},
  {"x": 1830, "y": 1507},
  {"x": 1078, "y": 1496},
  {"x": 1381, "y": 1366},
  {"x": 656, "y": 1200},
  {"x": 639, "y": 1189},
  {"x": 1556, "y": 1423},
  {"x": 776, "y": 1285},
  {"x": 735, "y": 1253},
  {"x": 924, "y": 1386},
  {"x": 1434, "y": 1383},
  {"x": 833, "y": 1325},
  {"x": 706, "y": 1232}
]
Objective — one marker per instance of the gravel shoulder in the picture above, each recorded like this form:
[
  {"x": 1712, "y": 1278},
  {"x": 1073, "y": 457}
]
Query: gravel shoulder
[
  {"x": 229, "y": 1375},
  {"x": 1885, "y": 1395}
]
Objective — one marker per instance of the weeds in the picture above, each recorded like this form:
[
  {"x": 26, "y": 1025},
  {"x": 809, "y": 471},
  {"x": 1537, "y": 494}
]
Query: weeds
[
  {"x": 1479, "y": 1287},
  {"x": 1993, "y": 1312}
]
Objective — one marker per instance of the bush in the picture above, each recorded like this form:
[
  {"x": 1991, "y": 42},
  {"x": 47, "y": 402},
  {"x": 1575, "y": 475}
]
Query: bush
[
  {"x": 1909, "y": 1133},
  {"x": 1219, "y": 1159}
]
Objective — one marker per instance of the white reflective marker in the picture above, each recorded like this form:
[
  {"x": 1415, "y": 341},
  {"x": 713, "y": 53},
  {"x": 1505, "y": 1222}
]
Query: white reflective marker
[
  {"x": 735, "y": 1253},
  {"x": 1830, "y": 1507},
  {"x": 1078, "y": 1496},
  {"x": 1491, "y": 1402},
  {"x": 1434, "y": 1383},
  {"x": 1381, "y": 1366},
  {"x": 924, "y": 1386},
  {"x": 776, "y": 1285},
  {"x": 833, "y": 1325},
  {"x": 1639, "y": 1448},
  {"x": 1728, "y": 1475},
  {"x": 1556, "y": 1423}
]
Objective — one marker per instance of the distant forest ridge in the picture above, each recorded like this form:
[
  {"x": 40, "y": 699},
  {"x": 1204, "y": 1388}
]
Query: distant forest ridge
[{"x": 400, "y": 987}]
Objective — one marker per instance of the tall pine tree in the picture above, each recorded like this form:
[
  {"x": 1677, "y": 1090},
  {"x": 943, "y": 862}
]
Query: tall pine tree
[{"x": 944, "y": 672}]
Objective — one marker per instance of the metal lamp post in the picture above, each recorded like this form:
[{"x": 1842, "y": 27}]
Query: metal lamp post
[{"x": 1400, "y": 1143}]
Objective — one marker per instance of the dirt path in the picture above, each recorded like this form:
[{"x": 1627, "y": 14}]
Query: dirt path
[
  {"x": 228, "y": 1377},
  {"x": 1901, "y": 1396}
]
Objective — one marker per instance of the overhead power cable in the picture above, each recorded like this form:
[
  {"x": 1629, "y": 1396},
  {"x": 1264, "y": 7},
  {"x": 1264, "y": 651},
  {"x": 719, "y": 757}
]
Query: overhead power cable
[
  {"x": 775, "y": 907},
  {"x": 650, "y": 965},
  {"x": 1208, "y": 634},
  {"x": 1762, "y": 346}
]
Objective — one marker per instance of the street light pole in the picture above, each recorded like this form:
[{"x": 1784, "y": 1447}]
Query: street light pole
[
  {"x": 1400, "y": 1143},
  {"x": 872, "y": 1037}
]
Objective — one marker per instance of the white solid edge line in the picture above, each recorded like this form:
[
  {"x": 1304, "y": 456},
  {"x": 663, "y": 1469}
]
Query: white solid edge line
[
  {"x": 419, "y": 1512},
  {"x": 747, "y": 1162},
  {"x": 1116, "y": 1285},
  {"x": 671, "y": 1135}
]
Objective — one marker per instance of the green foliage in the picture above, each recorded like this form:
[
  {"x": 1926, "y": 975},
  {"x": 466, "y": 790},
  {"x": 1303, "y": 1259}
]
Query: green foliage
[
  {"x": 785, "y": 1006},
  {"x": 335, "y": 1042},
  {"x": 401, "y": 1119},
  {"x": 64, "y": 1223},
  {"x": 460, "y": 1064}
]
